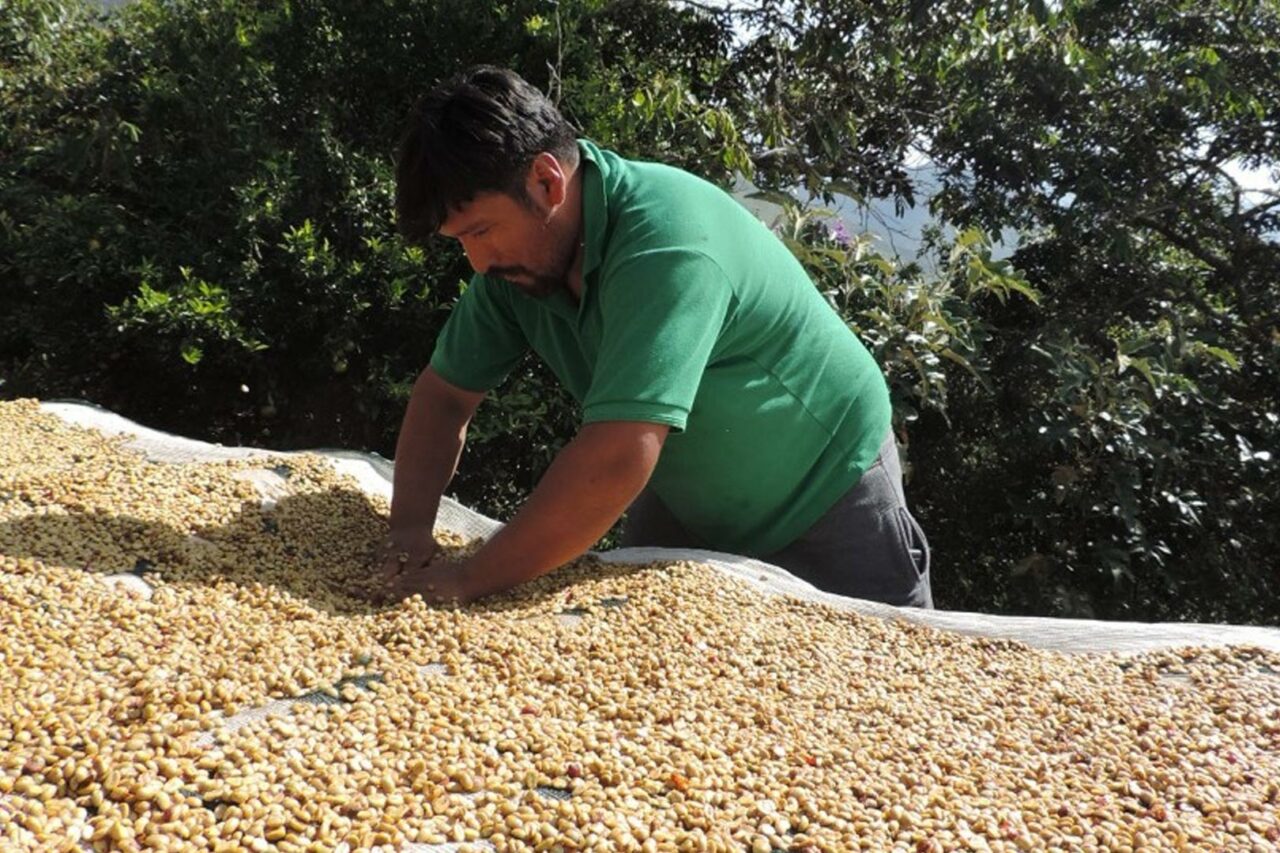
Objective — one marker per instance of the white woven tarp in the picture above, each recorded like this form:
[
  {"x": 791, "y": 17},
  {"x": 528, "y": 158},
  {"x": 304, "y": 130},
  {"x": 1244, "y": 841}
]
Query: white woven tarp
[{"x": 373, "y": 473}]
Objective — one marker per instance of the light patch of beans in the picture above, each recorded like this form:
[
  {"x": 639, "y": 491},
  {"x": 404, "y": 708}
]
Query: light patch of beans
[{"x": 701, "y": 714}]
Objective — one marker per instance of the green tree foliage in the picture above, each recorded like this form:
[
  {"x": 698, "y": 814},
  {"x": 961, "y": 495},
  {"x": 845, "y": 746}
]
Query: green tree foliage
[
  {"x": 197, "y": 200},
  {"x": 1118, "y": 442},
  {"x": 196, "y": 230}
]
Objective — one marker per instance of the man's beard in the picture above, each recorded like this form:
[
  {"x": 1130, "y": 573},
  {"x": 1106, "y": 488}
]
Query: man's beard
[
  {"x": 540, "y": 285},
  {"x": 537, "y": 286}
]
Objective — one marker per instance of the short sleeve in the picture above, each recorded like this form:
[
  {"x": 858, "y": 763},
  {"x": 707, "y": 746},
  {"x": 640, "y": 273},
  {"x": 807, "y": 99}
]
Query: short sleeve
[
  {"x": 663, "y": 313},
  {"x": 481, "y": 341}
]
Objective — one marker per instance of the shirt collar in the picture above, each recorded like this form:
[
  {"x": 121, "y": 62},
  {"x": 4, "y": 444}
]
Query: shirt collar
[{"x": 595, "y": 204}]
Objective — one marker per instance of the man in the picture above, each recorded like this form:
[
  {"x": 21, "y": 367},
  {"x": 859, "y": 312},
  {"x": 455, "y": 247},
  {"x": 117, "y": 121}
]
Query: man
[{"x": 723, "y": 401}]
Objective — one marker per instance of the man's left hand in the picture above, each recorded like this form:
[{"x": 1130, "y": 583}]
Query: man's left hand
[{"x": 438, "y": 582}]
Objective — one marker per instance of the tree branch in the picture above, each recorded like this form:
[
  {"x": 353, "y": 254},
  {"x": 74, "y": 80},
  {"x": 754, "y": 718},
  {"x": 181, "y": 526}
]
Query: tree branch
[{"x": 1192, "y": 247}]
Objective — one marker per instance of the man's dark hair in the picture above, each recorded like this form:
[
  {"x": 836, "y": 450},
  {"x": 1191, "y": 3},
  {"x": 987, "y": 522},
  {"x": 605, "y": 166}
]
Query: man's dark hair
[{"x": 477, "y": 132}]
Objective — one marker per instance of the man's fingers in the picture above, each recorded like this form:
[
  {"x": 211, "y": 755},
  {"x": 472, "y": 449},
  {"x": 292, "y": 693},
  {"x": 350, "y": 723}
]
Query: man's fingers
[
  {"x": 393, "y": 565},
  {"x": 401, "y": 563},
  {"x": 398, "y": 566}
]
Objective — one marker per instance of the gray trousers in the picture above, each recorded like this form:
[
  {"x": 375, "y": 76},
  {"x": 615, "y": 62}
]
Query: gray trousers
[{"x": 868, "y": 545}]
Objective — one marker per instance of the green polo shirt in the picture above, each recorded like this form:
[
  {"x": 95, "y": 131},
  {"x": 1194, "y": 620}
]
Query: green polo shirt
[{"x": 693, "y": 314}]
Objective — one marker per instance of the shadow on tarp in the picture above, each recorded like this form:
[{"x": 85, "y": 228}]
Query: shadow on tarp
[{"x": 322, "y": 548}]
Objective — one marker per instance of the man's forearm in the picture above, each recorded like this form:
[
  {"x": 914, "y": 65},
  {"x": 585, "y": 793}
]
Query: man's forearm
[
  {"x": 427, "y": 451},
  {"x": 587, "y": 488}
]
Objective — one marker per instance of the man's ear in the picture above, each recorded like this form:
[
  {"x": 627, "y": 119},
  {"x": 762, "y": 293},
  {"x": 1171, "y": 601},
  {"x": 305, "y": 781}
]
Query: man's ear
[{"x": 548, "y": 182}]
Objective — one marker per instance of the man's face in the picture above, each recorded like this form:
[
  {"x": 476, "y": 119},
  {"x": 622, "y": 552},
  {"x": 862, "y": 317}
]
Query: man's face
[{"x": 519, "y": 240}]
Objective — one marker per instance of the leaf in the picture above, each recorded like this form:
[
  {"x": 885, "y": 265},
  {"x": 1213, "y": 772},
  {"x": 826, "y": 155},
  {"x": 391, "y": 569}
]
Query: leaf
[
  {"x": 1225, "y": 356},
  {"x": 1020, "y": 285},
  {"x": 847, "y": 190},
  {"x": 779, "y": 198},
  {"x": 1037, "y": 564},
  {"x": 953, "y": 356},
  {"x": 1143, "y": 366},
  {"x": 1065, "y": 475}
]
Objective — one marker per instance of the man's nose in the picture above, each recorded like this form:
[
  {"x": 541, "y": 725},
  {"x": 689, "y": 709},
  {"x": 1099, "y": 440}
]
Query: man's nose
[{"x": 476, "y": 255}]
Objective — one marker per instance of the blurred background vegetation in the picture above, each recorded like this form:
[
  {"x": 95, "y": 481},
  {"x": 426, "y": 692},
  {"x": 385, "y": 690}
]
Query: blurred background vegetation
[{"x": 196, "y": 231}]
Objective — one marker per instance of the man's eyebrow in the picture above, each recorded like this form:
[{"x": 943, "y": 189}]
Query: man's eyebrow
[{"x": 474, "y": 226}]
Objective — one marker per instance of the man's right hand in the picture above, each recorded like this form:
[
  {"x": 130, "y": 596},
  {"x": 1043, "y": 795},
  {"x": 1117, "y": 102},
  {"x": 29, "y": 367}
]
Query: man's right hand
[
  {"x": 406, "y": 551},
  {"x": 427, "y": 450}
]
